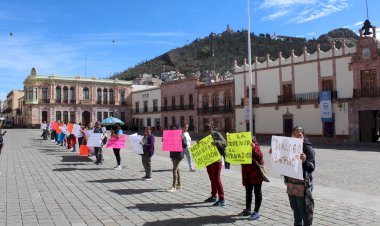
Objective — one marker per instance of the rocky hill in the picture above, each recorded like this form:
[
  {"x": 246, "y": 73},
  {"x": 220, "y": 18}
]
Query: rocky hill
[{"x": 219, "y": 51}]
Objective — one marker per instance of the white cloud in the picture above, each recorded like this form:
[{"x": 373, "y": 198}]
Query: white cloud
[{"x": 301, "y": 11}]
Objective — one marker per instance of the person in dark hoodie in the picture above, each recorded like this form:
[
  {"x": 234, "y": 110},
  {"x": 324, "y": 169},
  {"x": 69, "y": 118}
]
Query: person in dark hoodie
[
  {"x": 148, "y": 148},
  {"x": 300, "y": 191}
]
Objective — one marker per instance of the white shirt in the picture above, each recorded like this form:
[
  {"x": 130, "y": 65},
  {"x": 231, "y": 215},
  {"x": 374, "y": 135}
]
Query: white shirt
[{"x": 188, "y": 138}]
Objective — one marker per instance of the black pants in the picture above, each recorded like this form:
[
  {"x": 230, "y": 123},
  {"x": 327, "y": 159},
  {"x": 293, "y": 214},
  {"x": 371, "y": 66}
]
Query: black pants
[
  {"x": 98, "y": 154},
  {"x": 116, "y": 151},
  {"x": 300, "y": 211},
  {"x": 80, "y": 140},
  {"x": 248, "y": 196},
  {"x": 1, "y": 147},
  {"x": 146, "y": 161}
]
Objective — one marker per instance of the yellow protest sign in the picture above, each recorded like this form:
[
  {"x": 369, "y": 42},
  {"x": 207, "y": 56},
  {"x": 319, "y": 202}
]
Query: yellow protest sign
[
  {"x": 239, "y": 148},
  {"x": 204, "y": 153}
]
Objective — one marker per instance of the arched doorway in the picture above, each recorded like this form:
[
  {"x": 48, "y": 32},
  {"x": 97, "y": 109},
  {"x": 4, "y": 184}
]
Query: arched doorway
[{"x": 86, "y": 118}]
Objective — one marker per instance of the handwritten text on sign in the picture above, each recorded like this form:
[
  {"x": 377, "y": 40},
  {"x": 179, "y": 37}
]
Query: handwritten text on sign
[
  {"x": 204, "y": 153},
  {"x": 172, "y": 140},
  {"x": 285, "y": 158},
  {"x": 239, "y": 148},
  {"x": 114, "y": 142}
]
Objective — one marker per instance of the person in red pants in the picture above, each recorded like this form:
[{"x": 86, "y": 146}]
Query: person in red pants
[{"x": 215, "y": 168}]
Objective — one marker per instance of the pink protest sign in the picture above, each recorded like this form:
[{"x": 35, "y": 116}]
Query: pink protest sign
[
  {"x": 172, "y": 140},
  {"x": 113, "y": 142}
]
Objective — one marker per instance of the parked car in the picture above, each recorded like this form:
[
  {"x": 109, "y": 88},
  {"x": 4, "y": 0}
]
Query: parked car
[{"x": 8, "y": 125}]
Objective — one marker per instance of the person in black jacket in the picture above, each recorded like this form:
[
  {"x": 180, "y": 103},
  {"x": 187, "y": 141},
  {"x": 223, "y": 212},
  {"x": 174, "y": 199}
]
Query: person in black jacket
[
  {"x": 300, "y": 192},
  {"x": 1, "y": 136}
]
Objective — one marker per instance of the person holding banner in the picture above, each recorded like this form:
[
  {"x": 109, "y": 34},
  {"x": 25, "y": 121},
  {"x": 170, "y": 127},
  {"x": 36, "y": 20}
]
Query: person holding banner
[
  {"x": 176, "y": 160},
  {"x": 300, "y": 191},
  {"x": 148, "y": 148},
  {"x": 117, "y": 133},
  {"x": 252, "y": 181},
  {"x": 98, "y": 150},
  {"x": 215, "y": 169}
]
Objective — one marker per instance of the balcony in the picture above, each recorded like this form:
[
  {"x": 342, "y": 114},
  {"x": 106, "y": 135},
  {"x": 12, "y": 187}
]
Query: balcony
[
  {"x": 72, "y": 101},
  {"x": 123, "y": 103},
  {"x": 44, "y": 101},
  {"x": 148, "y": 110},
  {"x": 98, "y": 102},
  {"x": 255, "y": 100},
  {"x": 65, "y": 101},
  {"x": 58, "y": 101},
  {"x": 112, "y": 102},
  {"x": 367, "y": 92},
  {"x": 177, "y": 108},
  {"x": 220, "y": 109},
  {"x": 303, "y": 97}
]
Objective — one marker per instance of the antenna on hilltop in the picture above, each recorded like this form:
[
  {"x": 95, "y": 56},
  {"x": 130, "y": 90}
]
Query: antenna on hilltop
[{"x": 366, "y": 4}]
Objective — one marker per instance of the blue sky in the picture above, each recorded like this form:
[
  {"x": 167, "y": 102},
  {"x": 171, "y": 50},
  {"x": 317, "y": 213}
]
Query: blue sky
[{"x": 98, "y": 38}]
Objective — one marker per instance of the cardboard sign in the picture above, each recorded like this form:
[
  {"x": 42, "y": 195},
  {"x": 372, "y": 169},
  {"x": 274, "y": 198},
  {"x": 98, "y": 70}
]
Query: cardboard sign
[
  {"x": 172, "y": 140},
  {"x": 76, "y": 130},
  {"x": 51, "y": 126},
  {"x": 204, "y": 153},
  {"x": 95, "y": 140},
  {"x": 285, "y": 157},
  {"x": 64, "y": 130},
  {"x": 114, "y": 142},
  {"x": 43, "y": 126},
  {"x": 239, "y": 148},
  {"x": 135, "y": 140}
]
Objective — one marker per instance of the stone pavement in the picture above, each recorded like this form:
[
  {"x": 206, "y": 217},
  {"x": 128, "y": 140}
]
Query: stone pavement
[{"x": 44, "y": 184}]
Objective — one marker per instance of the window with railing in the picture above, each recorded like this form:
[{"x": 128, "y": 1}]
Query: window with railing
[
  {"x": 99, "y": 116},
  {"x": 112, "y": 99},
  {"x": 145, "y": 106},
  {"x": 191, "y": 104},
  {"x": 44, "y": 95},
  {"x": 65, "y": 116},
  {"x": 58, "y": 115},
  {"x": 65, "y": 94},
  {"x": 137, "y": 107},
  {"x": 181, "y": 102},
  {"x": 105, "y": 96},
  {"x": 173, "y": 121},
  {"x": 72, "y": 95},
  {"x": 173, "y": 102},
  {"x": 99, "y": 96},
  {"x": 165, "y": 103},
  {"x": 58, "y": 94},
  {"x": 191, "y": 123},
  {"x": 72, "y": 116},
  {"x": 155, "y": 105},
  {"x": 122, "y": 97},
  {"x": 105, "y": 115},
  {"x": 165, "y": 122},
  {"x": 182, "y": 119},
  {"x": 86, "y": 93}
]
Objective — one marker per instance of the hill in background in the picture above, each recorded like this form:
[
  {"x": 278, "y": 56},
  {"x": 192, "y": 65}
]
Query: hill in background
[{"x": 217, "y": 52}]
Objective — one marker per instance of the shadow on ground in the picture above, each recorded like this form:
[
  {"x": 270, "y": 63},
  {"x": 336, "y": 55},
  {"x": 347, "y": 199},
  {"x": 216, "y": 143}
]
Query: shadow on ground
[
  {"x": 71, "y": 158},
  {"x": 159, "y": 171},
  {"x": 195, "y": 221},
  {"x": 157, "y": 207},
  {"x": 133, "y": 191},
  {"x": 113, "y": 180},
  {"x": 74, "y": 169}
]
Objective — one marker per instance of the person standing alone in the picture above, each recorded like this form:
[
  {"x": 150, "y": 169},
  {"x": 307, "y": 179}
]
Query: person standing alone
[
  {"x": 148, "y": 148},
  {"x": 117, "y": 133}
]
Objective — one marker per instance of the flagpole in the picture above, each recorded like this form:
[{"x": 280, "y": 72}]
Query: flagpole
[{"x": 250, "y": 72}]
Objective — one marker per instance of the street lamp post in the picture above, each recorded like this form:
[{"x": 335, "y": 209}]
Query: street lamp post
[{"x": 250, "y": 72}]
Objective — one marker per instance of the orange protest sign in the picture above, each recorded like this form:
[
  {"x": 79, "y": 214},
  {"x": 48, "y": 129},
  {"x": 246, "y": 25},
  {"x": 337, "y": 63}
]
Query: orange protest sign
[
  {"x": 83, "y": 150},
  {"x": 70, "y": 127},
  {"x": 56, "y": 127}
]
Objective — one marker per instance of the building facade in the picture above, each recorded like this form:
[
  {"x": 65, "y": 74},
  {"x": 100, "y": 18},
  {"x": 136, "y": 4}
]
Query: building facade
[
  {"x": 12, "y": 108},
  {"x": 178, "y": 104},
  {"x": 146, "y": 108},
  {"x": 286, "y": 93},
  {"x": 74, "y": 99},
  {"x": 216, "y": 104}
]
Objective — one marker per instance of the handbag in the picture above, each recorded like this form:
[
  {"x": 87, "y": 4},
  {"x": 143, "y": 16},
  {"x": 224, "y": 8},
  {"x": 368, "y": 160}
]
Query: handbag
[
  {"x": 295, "y": 188},
  {"x": 261, "y": 170}
]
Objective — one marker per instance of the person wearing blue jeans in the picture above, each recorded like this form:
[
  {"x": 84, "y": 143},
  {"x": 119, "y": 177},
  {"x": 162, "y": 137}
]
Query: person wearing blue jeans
[{"x": 186, "y": 151}]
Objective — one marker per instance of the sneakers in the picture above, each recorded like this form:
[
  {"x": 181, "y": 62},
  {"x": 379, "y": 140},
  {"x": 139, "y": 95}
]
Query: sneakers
[
  {"x": 220, "y": 203},
  {"x": 254, "y": 216},
  {"x": 245, "y": 213},
  {"x": 172, "y": 189},
  {"x": 211, "y": 199},
  {"x": 147, "y": 178},
  {"x": 178, "y": 187},
  {"x": 118, "y": 167}
]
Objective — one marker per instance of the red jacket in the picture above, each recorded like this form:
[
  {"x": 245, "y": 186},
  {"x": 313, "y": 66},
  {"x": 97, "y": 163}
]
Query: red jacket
[{"x": 250, "y": 172}]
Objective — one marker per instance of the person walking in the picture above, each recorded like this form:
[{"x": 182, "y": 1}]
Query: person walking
[
  {"x": 186, "y": 149},
  {"x": 98, "y": 150},
  {"x": 252, "y": 181},
  {"x": 215, "y": 168},
  {"x": 148, "y": 148},
  {"x": 117, "y": 133}
]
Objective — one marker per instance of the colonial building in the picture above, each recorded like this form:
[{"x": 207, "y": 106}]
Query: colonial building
[
  {"x": 216, "y": 104},
  {"x": 286, "y": 92},
  {"x": 178, "y": 104},
  {"x": 76, "y": 99},
  {"x": 12, "y": 109},
  {"x": 146, "y": 108}
]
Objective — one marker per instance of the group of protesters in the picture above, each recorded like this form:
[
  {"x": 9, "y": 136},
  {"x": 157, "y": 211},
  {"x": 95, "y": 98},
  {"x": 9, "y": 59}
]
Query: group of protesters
[{"x": 253, "y": 175}]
